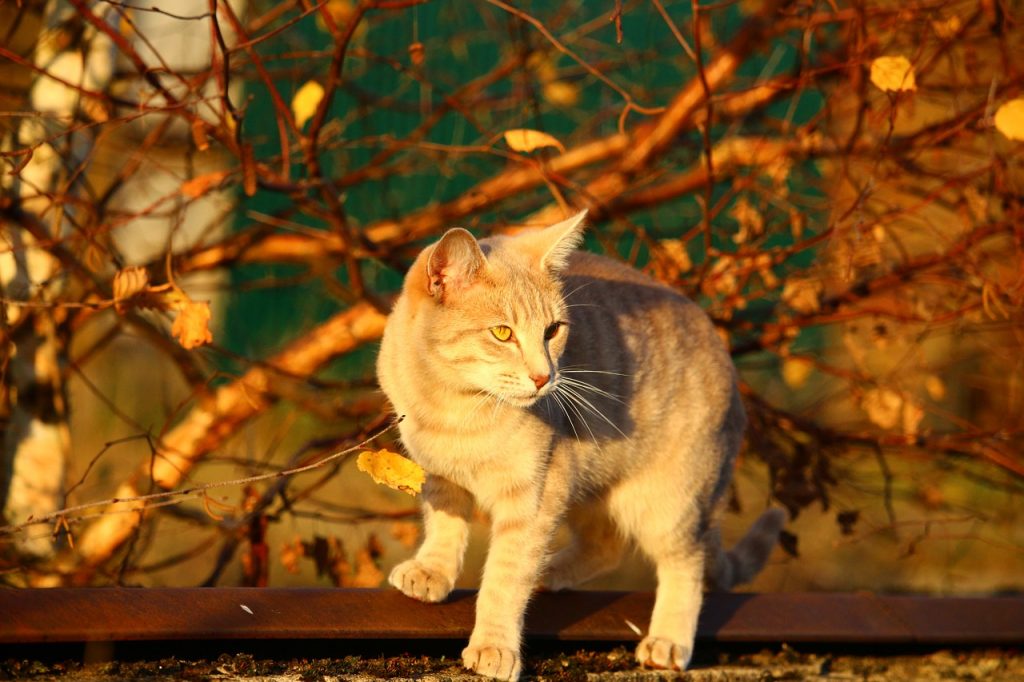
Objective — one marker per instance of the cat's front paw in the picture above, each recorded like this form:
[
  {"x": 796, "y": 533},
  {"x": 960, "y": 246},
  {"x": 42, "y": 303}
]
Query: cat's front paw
[
  {"x": 493, "y": 661},
  {"x": 420, "y": 582},
  {"x": 658, "y": 652}
]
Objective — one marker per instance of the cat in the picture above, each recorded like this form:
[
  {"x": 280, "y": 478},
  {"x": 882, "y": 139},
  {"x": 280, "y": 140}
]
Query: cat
[{"x": 555, "y": 387}]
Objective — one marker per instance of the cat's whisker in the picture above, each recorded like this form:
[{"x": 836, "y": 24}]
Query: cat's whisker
[
  {"x": 568, "y": 417},
  {"x": 582, "y": 286},
  {"x": 583, "y": 385},
  {"x": 577, "y": 369},
  {"x": 572, "y": 405},
  {"x": 589, "y": 406}
]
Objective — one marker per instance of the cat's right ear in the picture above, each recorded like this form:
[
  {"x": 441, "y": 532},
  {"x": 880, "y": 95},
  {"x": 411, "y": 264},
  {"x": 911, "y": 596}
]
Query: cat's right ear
[{"x": 454, "y": 263}]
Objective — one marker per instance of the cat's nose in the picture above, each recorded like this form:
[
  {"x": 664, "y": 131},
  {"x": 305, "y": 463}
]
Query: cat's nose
[{"x": 539, "y": 380}]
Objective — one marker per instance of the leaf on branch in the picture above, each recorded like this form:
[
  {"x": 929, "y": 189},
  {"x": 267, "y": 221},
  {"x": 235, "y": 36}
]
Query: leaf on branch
[
  {"x": 1009, "y": 119},
  {"x": 935, "y": 387},
  {"x": 291, "y": 552},
  {"x": 750, "y": 220},
  {"x": 893, "y": 74},
  {"x": 526, "y": 140},
  {"x": 127, "y": 283},
  {"x": 561, "y": 93},
  {"x": 391, "y": 469},
  {"x": 417, "y": 53},
  {"x": 305, "y": 102},
  {"x": 192, "y": 326},
  {"x": 883, "y": 407},
  {"x": 795, "y": 371},
  {"x": 406, "y": 532},
  {"x": 802, "y": 295},
  {"x": 201, "y": 184},
  {"x": 199, "y": 138}
]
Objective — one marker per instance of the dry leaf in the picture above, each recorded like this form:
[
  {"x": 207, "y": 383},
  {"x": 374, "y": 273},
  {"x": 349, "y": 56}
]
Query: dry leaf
[
  {"x": 201, "y": 184},
  {"x": 802, "y": 295},
  {"x": 305, "y": 102},
  {"x": 526, "y": 140},
  {"x": 893, "y": 74},
  {"x": 366, "y": 573},
  {"x": 199, "y": 138},
  {"x": 406, "y": 532},
  {"x": 128, "y": 282},
  {"x": 674, "y": 260},
  {"x": 796, "y": 370},
  {"x": 291, "y": 552},
  {"x": 913, "y": 413},
  {"x": 1009, "y": 119},
  {"x": 883, "y": 407},
  {"x": 750, "y": 220},
  {"x": 192, "y": 326},
  {"x": 561, "y": 93},
  {"x": 948, "y": 28},
  {"x": 417, "y": 54},
  {"x": 935, "y": 387},
  {"x": 393, "y": 470}
]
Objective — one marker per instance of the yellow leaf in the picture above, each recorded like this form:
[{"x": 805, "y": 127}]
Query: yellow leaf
[
  {"x": 561, "y": 93},
  {"x": 526, "y": 140},
  {"x": 192, "y": 326},
  {"x": 393, "y": 470},
  {"x": 201, "y": 184},
  {"x": 935, "y": 387},
  {"x": 883, "y": 406},
  {"x": 893, "y": 74},
  {"x": 130, "y": 281},
  {"x": 795, "y": 371},
  {"x": 803, "y": 295},
  {"x": 1010, "y": 119},
  {"x": 305, "y": 102},
  {"x": 948, "y": 28}
]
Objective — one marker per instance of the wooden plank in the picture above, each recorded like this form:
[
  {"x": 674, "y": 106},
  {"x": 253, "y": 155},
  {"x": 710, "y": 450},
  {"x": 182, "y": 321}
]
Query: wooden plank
[{"x": 119, "y": 614}]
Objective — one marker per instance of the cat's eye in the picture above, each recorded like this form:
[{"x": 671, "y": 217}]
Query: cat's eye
[
  {"x": 502, "y": 332},
  {"x": 552, "y": 330}
]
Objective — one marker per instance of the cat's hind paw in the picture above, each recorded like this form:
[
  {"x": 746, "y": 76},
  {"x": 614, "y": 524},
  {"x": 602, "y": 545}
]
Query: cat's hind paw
[
  {"x": 493, "y": 661},
  {"x": 658, "y": 652},
  {"x": 420, "y": 582}
]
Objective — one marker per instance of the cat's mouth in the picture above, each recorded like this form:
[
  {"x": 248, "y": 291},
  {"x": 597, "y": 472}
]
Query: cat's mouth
[{"x": 528, "y": 399}]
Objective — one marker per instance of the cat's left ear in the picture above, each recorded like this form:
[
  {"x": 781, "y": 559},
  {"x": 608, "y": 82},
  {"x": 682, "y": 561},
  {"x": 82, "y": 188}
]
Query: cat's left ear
[
  {"x": 553, "y": 245},
  {"x": 454, "y": 263}
]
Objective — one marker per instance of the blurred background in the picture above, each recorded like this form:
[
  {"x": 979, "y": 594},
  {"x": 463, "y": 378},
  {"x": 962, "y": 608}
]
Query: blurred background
[{"x": 207, "y": 208}]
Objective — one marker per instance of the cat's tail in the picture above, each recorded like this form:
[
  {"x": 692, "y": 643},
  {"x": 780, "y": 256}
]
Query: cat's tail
[{"x": 726, "y": 569}]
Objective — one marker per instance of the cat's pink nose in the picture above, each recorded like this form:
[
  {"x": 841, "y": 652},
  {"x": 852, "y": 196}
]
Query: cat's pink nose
[{"x": 539, "y": 380}]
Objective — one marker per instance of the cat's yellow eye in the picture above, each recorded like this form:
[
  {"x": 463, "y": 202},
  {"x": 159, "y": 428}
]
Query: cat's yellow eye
[{"x": 502, "y": 332}]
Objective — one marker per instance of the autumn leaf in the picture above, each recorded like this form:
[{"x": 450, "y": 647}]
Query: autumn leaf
[
  {"x": 406, "y": 532},
  {"x": 1009, "y": 119},
  {"x": 795, "y": 371},
  {"x": 935, "y": 387},
  {"x": 802, "y": 295},
  {"x": 526, "y": 140},
  {"x": 192, "y": 326},
  {"x": 201, "y": 184},
  {"x": 127, "y": 283},
  {"x": 893, "y": 74},
  {"x": 305, "y": 102},
  {"x": 883, "y": 406},
  {"x": 393, "y": 470},
  {"x": 561, "y": 93}
]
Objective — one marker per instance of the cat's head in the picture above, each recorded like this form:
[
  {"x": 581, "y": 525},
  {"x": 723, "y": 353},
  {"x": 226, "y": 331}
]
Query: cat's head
[{"x": 491, "y": 317}]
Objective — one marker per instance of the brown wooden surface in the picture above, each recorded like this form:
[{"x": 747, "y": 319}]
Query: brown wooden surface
[{"x": 116, "y": 614}]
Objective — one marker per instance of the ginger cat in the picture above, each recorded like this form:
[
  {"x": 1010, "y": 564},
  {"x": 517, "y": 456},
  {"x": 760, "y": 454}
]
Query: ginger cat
[{"x": 552, "y": 386}]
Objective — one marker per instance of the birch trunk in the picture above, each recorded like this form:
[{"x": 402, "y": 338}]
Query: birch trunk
[{"x": 36, "y": 441}]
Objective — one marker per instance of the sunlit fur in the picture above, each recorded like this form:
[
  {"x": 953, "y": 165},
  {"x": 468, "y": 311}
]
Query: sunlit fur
[{"x": 622, "y": 426}]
